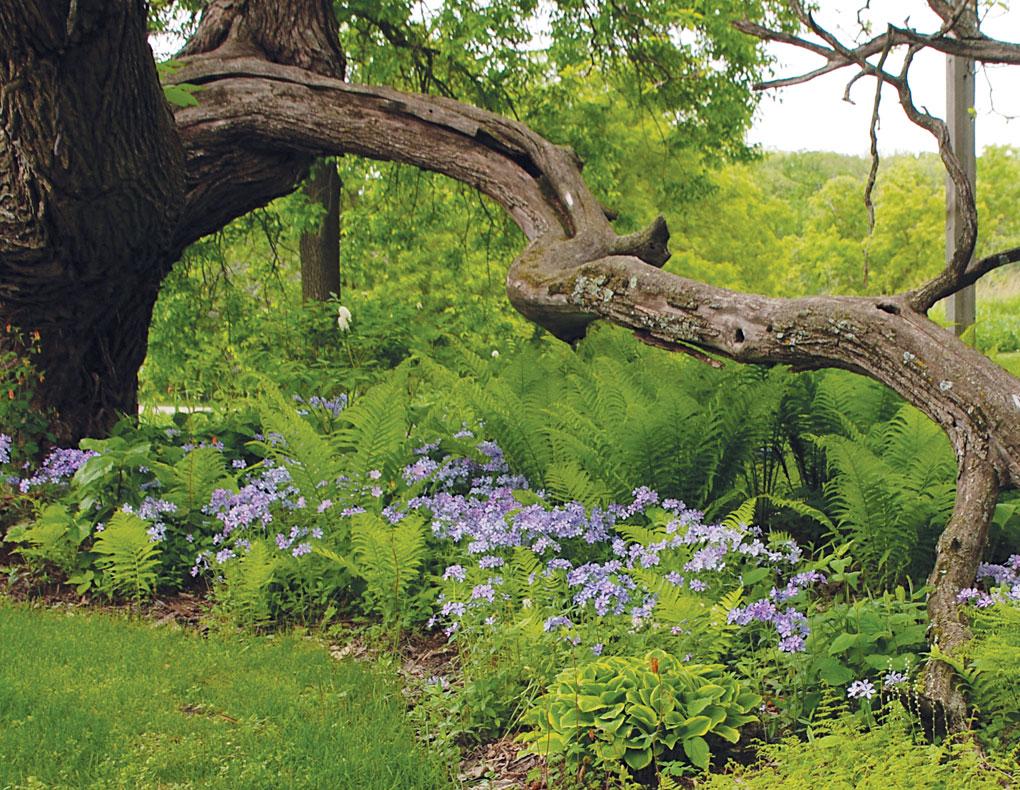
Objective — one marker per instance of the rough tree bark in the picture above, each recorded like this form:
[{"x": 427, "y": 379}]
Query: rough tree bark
[
  {"x": 91, "y": 186},
  {"x": 91, "y": 222},
  {"x": 320, "y": 249}
]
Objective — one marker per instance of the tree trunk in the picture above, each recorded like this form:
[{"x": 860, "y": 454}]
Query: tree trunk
[
  {"x": 320, "y": 250},
  {"x": 91, "y": 185}
]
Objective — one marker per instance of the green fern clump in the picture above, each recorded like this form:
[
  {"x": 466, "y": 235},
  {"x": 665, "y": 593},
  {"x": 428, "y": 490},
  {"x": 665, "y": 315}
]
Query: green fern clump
[
  {"x": 55, "y": 537},
  {"x": 310, "y": 457},
  {"x": 892, "y": 491},
  {"x": 994, "y": 673},
  {"x": 190, "y": 482},
  {"x": 245, "y": 591},
  {"x": 130, "y": 557},
  {"x": 592, "y": 426},
  {"x": 842, "y": 755},
  {"x": 387, "y": 557}
]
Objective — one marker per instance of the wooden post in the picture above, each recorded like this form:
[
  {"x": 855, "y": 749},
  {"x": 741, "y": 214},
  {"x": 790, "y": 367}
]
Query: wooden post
[{"x": 960, "y": 307}]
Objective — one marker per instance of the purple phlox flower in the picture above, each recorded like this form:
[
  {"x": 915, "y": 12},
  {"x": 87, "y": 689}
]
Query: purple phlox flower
[
  {"x": 490, "y": 561},
  {"x": 456, "y": 572},
  {"x": 453, "y": 609},
  {"x": 967, "y": 594},
  {"x": 597, "y": 648},
  {"x": 495, "y": 453},
  {"x": 483, "y": 591},
  {"x": 316, "y": 532},
  {"x": 792, "y": 644},
  {"x": 644, "y": 497},
  {"x": 894, "y": 679},
  {"x": 60, "y": 464},
  {"x": 559, "y": 621},
  {"x": 352, "y": 511},
  {"x": 375, "y": 474},
  {"x": 796, "y": 584},
  {"x": 697, "y": 585},
  {"x": 419, "y": 470},
  {"x": 980, "y": 598},
  {"x": 224, "y": 555},
  {"x": 558, "y": 564},
  {"x": 673, "y": 505},
  {"x": 709, "y": 558},
  {"x": 302, "y": 548},
  {"x": 861, "y": 688},
  {"x": 151, "y": 508},
  {"x": 425, "y": 449},
  {"x": 238, "y": 463},
  {"x": 376, "y": 491},
  {"x": 393, "y": 514},
  {"x": 639, "y": 614},
  {"x": 1000, "y": 574},
  {"x": 5, "y": 448},
  {"x": 324, "y": 505}
]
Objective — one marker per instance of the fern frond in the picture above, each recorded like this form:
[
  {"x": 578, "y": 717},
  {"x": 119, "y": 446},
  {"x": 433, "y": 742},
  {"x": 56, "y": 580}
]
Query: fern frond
[
  {"x": 310, "y": 457},
  {"x": 130, "y": 556},
  {"x": 194, "y": 478},
  {"x": 569, "y": 482},
  {"x": 388, "y": 558},
  {"x": 742, "y": 516},
  {"x": 645, "y": 536},
  {"x": 247, "y": 579},
  {"x": 867, "y": 498},
  {"x": 378, "y": 438}
]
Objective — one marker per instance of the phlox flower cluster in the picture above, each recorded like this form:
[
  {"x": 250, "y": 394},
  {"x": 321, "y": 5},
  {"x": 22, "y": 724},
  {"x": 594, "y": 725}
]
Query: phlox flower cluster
[
  {"x": 1005, "y": 577},
  {"x": 247, "y": 511},
  {"x": 59, "y": 466},
  {"x": 152, "y": 509},
  {"x": 332, "y": 405},
  {"x": 5, "y": 448},
  {"x": 591, "y": 565},
  {"x": 865, "y": 689},
  {"x": 790, "y": 625},
  {"x": 861, "y": 689}
]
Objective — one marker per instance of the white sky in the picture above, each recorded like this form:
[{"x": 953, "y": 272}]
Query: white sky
[{"x": 813, "y": 116}]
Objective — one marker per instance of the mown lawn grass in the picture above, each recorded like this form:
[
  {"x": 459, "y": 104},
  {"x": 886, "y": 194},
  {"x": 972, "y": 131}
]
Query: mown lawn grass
[{"x": 93, "y": 701}]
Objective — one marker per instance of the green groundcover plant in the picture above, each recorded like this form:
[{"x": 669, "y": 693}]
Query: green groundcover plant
[{"x": 651, "y": 711}]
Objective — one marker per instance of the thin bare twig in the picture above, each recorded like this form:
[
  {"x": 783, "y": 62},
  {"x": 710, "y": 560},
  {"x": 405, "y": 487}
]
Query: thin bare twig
[{"x": 873, "y": 173}]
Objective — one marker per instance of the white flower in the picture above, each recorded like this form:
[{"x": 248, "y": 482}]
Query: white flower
[
  {"x": 343, "y": 318},
  {"x": 495, "y": 353}
]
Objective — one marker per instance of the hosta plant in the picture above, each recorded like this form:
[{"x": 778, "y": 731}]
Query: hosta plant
[{"x": 654, "y": 709}]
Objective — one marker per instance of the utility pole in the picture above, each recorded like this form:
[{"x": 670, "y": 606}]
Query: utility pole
[{"x": 961, "y": 306}]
